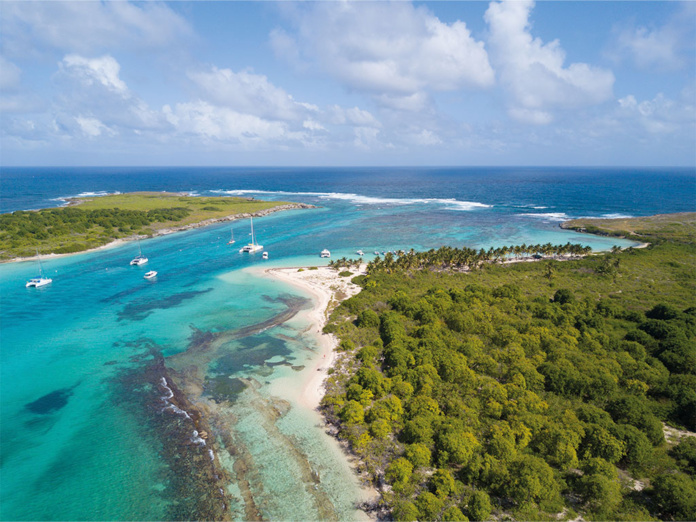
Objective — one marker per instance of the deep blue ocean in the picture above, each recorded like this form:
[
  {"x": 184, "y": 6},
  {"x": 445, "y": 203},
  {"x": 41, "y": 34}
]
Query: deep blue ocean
[{"x": 87, "y": 431}]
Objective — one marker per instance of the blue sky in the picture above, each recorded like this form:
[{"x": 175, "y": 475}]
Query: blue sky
[{"x": 348, "y": 83}]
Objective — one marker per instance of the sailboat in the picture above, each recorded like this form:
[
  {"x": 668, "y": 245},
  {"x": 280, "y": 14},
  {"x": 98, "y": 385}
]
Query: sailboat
[
  {"x": 140, "y": 259},
  {"x": 41, "y": 280},
  {"x": 231, "y": 241},
  {"x": 253, "y": 246}
]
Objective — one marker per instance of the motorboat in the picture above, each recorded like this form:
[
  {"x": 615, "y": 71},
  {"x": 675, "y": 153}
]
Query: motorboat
[
  {"x": 265, "y": 255},
  {"x": 360, "y": 253},
  {"x": 150, "y": 275}
]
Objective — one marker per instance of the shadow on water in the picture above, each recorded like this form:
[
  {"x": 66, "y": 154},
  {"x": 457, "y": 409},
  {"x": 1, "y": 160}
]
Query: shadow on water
[{"x": 140, "y": 310}]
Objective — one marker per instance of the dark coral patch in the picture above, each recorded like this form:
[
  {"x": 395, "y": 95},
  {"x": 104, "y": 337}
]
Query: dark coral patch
[{"x": 50, "y": 402}]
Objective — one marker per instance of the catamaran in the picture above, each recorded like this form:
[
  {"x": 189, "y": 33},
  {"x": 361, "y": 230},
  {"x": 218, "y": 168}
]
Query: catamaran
[
  {"x": 253, "y": 246},
  {"x": 41, "y": 280},
  {"x": 231, "y": 241},
  {"x": 140, "y": 259},
  {"x": 325, "y": 253}
]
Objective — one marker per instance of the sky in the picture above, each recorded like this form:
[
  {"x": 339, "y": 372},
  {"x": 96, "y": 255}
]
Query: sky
[{"x": 348, "y": 83}]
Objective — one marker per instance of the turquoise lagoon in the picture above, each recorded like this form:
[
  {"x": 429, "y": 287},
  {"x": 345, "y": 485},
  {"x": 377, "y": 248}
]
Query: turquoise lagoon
[{"x": 88, "y": 430}]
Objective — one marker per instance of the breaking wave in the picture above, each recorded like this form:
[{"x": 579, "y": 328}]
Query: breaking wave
[
  {"x": 358, "y": 199},
  {"x": 100, "y": 193},
  {"x": 550, "y": 216}
]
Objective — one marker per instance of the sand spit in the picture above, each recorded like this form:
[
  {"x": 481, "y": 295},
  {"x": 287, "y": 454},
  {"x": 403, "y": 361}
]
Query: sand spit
[{"x": 328, "y": 289}]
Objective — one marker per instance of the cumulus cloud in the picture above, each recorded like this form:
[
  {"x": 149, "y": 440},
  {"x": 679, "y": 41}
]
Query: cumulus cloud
[
  {"x": 666, "y": 47},
  {"x": 103, "y": 70},
  {"x": 352, "y": 116},
  {"x": 93, "y": 88},
  {"x": 393, "y": 51},
  {"x": 650, "y": 49},
  {"x": 83, "y": 27},
  {"x": 660, "y": 115},
  {"x": 92, "y": 127},
  {"x": 533, "y": 72},
  {"x": 249, "y": 93},
  {"x": 209, "y": 121}
]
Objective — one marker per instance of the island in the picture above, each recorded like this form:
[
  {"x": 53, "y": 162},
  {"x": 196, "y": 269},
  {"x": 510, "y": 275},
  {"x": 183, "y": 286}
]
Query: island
[
  {"x": 561, "y": 389},
  {"x": 93, "y": 222}
]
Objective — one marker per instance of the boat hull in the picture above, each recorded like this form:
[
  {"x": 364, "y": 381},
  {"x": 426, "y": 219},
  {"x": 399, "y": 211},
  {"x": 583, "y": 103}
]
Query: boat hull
[{"x": 39, "y": 282}]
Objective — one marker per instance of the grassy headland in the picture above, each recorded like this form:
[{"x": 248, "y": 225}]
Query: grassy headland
[
  {"x": 528, "y": 391},
  {"x": 662, "y": 227},
  {"x": 88, "y": 223}
]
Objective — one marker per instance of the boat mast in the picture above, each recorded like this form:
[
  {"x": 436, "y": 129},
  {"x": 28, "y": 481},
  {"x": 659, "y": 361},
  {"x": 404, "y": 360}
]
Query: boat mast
[
  {"x": 253, "y": 241},
  {"x": 38, "y": 258}
]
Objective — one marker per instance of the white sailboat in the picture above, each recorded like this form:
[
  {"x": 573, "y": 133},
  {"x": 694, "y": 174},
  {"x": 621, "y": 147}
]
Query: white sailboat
[
  {"x": 140, "y": 259},
  {"x": 36, "y": 282},
  {"x": 253, "y": 246},
  {"x": 231, "y": 241}
]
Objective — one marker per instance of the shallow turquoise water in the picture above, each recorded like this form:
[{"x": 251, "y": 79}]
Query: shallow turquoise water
[{"x": 75, "y": 447}]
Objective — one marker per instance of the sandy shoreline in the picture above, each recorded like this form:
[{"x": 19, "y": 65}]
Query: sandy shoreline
[
  {"x": 167, "y": 231},
  {"x": 325, "y": 286}
]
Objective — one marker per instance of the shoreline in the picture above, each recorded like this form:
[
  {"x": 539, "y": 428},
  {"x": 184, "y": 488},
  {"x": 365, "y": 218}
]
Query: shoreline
[
  {"x": 167, "y": 231},
  {"x": 323, "y": 284},
  {"x": 327, "y": 289}
]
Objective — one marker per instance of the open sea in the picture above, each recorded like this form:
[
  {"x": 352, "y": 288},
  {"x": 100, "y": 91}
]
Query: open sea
[{"x": 91, "y": 424}]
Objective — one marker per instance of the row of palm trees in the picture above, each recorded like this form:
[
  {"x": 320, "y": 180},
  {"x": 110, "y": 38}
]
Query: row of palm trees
[{"x": 464, "y": 259}]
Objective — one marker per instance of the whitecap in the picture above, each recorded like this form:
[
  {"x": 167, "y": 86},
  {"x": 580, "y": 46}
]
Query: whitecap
[
  {"x": 616, "y": 216},
  {"x": 359, "y": 199},
  {"x": 169, "y": 405},
  {"x": 550, "y": 216},
  {"x": 197, "y": 439}
]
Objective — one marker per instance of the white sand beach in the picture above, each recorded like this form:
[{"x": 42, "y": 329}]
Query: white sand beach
[{"x": 327, "y": 288}]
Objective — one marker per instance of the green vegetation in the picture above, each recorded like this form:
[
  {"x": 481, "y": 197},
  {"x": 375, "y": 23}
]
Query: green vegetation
[
  {"x": 679, "y": 227},
  {"x": 526, "y": 390},
  {"x": 97, "y": 221}
]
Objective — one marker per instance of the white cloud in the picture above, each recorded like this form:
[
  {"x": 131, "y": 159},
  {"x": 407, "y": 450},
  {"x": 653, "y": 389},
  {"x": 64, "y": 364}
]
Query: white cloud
[
  {"x": 533, "y": 72},
  {"x": 660, "y": 115},
  {"x": 313, "y": 125},
  {"x": 248, "y": 93},
  {"x": 92, "y": 127},
  {"x": 93, "y": 87},
  {"x": 88, "y": 27},
  {"x": 666, "y": 47},
  {"x": 352, "y": 116},
  {"x": 10, "y": 75},
  {"x": 104, "y": 70},
  {"x": 15, "y": 97},
  {"x": 650, "y": 49},
  {"x": 209, "y": 121},
  {"x": 393, "y": 51}
]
